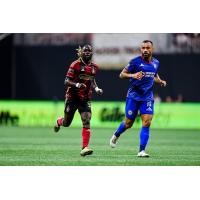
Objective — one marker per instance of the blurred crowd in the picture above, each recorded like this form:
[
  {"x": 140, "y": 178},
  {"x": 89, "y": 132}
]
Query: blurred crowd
[
  {"x": 189, "y": 42},
  {"x": 168, "y": 99}
]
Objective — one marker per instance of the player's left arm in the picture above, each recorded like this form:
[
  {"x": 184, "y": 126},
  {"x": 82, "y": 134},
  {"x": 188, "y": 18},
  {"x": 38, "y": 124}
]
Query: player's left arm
[
  {"x": 98, "y": 90},
  {"x": 158, "y": 80}
]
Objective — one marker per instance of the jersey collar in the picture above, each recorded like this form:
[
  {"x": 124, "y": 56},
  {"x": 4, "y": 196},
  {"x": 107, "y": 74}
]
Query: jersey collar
[{"x": 146, "y": 61}]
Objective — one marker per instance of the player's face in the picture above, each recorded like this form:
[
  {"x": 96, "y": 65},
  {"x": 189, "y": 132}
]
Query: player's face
[
  {"x": 87, "y": 53},
  {"x": 146, "y": 50}
]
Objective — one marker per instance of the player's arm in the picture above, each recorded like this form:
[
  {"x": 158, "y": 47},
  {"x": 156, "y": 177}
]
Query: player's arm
[
  {"x": 158, "y": 80},
  {"x": 70, "y": 76},
  {"x": 96, "y": 88},
  {"x": 126, "y": 74},
  {"x": 68, "y": 82}
]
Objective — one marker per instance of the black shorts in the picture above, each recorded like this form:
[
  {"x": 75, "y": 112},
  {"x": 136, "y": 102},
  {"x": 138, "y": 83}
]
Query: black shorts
[{"x": 72, "y": 105}]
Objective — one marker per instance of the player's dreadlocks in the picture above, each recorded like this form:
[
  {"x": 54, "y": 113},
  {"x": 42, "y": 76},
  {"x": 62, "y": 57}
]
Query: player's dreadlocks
[{"x": 79, "y": 52}]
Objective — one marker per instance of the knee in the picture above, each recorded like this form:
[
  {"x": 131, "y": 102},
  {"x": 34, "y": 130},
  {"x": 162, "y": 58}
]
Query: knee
[
  {"x": 86, "y": 122},
  {"x": 128, "y": 124},
  {"x": 146, "y": 123}
]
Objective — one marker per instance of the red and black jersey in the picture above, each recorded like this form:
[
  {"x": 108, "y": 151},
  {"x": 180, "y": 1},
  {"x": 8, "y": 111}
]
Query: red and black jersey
[{"x": 79, "y": 72}]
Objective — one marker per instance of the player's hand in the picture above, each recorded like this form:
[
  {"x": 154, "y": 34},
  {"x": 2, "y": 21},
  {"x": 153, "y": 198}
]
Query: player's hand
[
  {"x": 163, "y": 83},
  {"x": 81, "y": 86},
  {"x": 99, "y": 91},
  {"x": 138, "y": 75}
]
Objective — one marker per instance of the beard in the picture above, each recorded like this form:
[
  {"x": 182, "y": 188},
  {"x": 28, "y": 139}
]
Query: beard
[
  {"x": 87, "y": 58},
  {"x": 146, "y": 55}
]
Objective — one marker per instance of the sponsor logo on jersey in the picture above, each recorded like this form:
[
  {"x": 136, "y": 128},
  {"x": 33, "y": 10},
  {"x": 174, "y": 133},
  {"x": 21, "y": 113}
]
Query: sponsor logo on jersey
[
  {"x": 150, "y": 74},
  {"x": 86, "y": 77},
  {"x": 141, "y": 65}
]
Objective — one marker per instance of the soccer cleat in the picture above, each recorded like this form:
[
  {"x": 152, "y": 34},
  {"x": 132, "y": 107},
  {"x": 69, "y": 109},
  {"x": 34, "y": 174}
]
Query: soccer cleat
[
  {"x": 57, "y": 126},
  {"x": 113, "y": 141},
  {"x": 86, "y": 151},
  {"x": 143, "y": 154}
]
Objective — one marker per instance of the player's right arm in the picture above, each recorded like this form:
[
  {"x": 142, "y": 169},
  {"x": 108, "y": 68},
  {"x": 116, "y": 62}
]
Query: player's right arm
[
  {"x": 126, "y": 74},
  {"x": 69, "y": 80},
  {"x": 129, "y": 71}
]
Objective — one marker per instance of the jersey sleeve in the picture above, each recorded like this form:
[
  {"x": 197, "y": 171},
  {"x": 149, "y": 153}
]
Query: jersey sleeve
[
  {"x": 131, "y": 66},
  {"x": 158, "y": 65},
  {"x": 96, "y": 68},
  {"x": 71, "y": 71}
]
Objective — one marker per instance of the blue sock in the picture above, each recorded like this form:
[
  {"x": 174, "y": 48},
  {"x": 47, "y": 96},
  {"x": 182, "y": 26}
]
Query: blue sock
[
  {"x": 120, "y": 129},
  {"x": 144, "y": 137}
]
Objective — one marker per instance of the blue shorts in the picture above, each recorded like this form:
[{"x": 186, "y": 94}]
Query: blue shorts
[{"x": 132, "y": 108}]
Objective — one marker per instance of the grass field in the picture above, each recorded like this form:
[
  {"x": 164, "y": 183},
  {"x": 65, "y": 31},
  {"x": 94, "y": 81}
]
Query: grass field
[{"x": 41, "y": 147}]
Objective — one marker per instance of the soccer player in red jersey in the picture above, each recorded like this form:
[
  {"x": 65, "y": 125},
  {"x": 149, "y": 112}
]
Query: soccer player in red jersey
[{"x": 80, "y": 81}]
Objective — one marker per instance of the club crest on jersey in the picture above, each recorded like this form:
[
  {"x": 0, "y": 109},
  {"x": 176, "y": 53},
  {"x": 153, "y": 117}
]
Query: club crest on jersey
[
  {"x": 154, "y": 65},
  {"x": 130, "y": 112}
]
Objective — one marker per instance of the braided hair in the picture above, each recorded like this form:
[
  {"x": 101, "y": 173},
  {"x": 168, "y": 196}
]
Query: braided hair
[{"x": 79, "y": 52}]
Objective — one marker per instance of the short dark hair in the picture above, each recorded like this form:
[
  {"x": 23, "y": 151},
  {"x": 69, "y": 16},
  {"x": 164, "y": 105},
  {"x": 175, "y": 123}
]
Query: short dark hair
[{"x": 146, "y": 41}]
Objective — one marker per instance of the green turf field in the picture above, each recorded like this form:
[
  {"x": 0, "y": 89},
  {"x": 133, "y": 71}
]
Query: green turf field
[{"x": 40, "y": 146}]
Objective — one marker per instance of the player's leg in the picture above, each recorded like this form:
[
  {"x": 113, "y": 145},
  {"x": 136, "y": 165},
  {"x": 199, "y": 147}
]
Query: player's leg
[
  {"x": 131, "y": 111},
  {"x": 85, "y": 112},
  {"x": 69, "y": 111},
  {"x": 146, "y": 111}
]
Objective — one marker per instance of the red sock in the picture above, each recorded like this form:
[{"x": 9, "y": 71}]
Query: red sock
[
  {"x": 60, "y": 121},
  {"x": 85, "y": 136}
]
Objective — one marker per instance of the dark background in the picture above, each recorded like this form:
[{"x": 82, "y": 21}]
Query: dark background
[{"x": 38, "y": 72}]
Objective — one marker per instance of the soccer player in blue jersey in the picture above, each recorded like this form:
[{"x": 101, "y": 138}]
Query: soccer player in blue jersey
[{"x": 142, "y": 72}]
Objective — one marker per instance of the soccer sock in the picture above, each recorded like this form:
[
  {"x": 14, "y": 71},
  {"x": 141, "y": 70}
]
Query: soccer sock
[
  {"x": 60, "y": 121},
  {"x": 144, "y": 137},
  {"x": 85, "y": 137},
  {"x": 120, "y": 129}
]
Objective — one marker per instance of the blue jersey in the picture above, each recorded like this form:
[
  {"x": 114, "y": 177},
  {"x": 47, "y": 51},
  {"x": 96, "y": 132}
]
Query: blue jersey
[{"x": 142, "y": 90}]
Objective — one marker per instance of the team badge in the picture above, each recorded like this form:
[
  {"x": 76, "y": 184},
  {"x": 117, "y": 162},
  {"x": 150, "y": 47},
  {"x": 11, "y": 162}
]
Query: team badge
[{"x": 154, "y": 65}]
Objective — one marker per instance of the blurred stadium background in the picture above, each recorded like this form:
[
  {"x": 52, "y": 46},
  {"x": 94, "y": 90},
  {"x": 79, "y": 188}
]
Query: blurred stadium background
[{"x": 33, "y": 67}]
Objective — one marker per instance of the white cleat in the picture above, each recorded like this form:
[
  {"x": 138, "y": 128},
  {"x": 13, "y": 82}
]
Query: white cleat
[
  {"x": 113, "y": 141},
  {"x": 143, "y": 154},
  {"x": 86, "y": 151}
]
